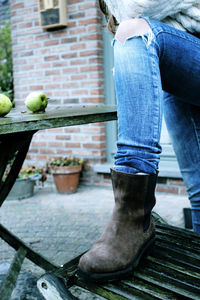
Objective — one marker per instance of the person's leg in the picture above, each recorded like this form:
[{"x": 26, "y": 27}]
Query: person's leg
[
  {"x": 183, "y": 123},
  {"x": 139, "y": 95},
  {"x": 139, "y": 101},
  {"x": 138, "y": 64},
  {"x": 130, "y": 231}
]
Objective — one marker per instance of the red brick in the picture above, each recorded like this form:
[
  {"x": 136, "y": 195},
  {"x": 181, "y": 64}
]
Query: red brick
[
  {"x": 17, "y": 5},
  {"x": 25, "y": 25},
  {"x": 85, "y": 6},
  {"x": 47, "y": 151},
  {"x": 77, "y": 15},
  {"x": 95, "y": 130},
  {"x": 38, "y": 144},
  {"x": 99, "y": 138},
  {"x": 89, "y": 21},
  {"x": 94, "y": 145},
  {"x": 97, "y": 92},
  {"x": 77, "y": 30},
  {"x": 98, "y": 153},
  {"x": 93, "y": 100},
  {"x": 43, "y": 36},
  {"x": 176, "y": 182},
  {"x": 72, "y": 129},
  {"x": 31, "y": 150},
  {"x": 51, "y": 43},
  {"x": 72, "y": 145},
  {"x": 78, "y": 76},
  {"x": 69, "y": 40},
  {"x": 64, "y": 152},
  {"x": 167, "y": 190},
  {"x": 52, "y": 72},
  {"x": 91, "y": 53},
  {"x": 55, "y": 144},
  {"x": 70, "y": 70},
  {"x": 70, "y": 85},
  {"x": 61, "y": 93},
  {"x": 78, "y": 46},
  {"x": 80, "y": 92},
  {"x": 27, "y": 67},
  {"x": 95, "y": 37},
  {"x": 41, "y": 157},
  {"x": 69, "y": 55},
  {"x": 51, "y": 57},
  {"x": 63, "y": 137},
  {"x": 36, "y": 87},
  {"x": 78, "y": 62},
  {"x": 27, "y": 53}
]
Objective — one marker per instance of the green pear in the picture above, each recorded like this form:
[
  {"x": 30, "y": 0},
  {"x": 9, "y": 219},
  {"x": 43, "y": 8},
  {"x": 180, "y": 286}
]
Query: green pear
[
  {"x": 36, "y": 102},
  {"x": 5, "y": 105}
]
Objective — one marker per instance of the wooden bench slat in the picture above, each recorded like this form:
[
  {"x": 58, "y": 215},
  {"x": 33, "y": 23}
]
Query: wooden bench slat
[
  {"x": 168, "y": 284},
  {"x": 178, "y": 242},
  {"x": 179, "y": 232},
  {"x": 190, "y": 267},
  {"x": 56, "y": 117},
  {"x": 107, "y": 291},
  {"x": 194, "y": 243},
  {"x": 11, "y": 277},
  {"x": 171, "y": 271},
  {"x": 168, "y": 272},
  {"x": 174, "y": 251},
  {"x": 174, "y": 265},
  {"x": 149, "y": 288}
]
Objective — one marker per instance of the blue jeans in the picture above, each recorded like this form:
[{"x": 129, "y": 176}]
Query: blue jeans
[{"x": 154, "y": 74}]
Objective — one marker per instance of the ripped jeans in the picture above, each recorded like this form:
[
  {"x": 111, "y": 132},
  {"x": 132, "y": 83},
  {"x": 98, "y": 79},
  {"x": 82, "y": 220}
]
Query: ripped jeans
[{"x": 156, "y": 73}]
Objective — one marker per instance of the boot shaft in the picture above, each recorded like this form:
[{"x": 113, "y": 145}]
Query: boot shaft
[{"x": 134, "y": 195}]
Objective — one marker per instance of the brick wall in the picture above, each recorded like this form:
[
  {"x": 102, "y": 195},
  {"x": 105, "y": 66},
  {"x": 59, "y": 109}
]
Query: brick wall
[
  {"x": 4, "y": 11},
  {"x": 68, "y": 65}
]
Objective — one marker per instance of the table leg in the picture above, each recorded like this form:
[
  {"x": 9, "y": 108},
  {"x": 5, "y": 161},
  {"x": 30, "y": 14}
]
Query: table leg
[{"x": 12, "y": 146}]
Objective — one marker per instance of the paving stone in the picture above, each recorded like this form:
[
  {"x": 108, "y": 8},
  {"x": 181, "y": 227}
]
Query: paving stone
[{"x": 61, "y": 227}]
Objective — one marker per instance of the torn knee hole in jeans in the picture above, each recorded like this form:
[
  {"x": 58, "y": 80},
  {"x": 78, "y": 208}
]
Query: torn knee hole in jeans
[{"x": 128, "y": 30}]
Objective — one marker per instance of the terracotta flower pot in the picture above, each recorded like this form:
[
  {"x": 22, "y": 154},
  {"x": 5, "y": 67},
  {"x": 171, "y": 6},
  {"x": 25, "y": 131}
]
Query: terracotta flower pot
[{"x": 66, "y": 178}]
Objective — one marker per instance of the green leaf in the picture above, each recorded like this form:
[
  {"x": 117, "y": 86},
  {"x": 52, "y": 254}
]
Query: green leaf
[{"x": 6, "y": 65}]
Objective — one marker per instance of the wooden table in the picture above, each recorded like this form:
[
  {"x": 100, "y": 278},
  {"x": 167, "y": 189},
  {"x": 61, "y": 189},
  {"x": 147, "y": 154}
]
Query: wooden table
[
  {"x": 16, "y": 132},
  {"x": 170, "y": 271}
]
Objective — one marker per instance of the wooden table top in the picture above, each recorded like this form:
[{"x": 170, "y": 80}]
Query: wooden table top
[{"x": 58, "y": 116}]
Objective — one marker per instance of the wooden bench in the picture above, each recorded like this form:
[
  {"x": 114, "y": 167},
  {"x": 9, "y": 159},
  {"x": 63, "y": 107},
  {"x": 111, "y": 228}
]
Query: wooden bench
[{"x": 171, "y": 271}]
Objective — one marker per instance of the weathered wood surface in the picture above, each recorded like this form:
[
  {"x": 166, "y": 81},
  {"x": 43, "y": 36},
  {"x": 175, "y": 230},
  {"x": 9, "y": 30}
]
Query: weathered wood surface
[
  {"x": 60, "y": 116},
  {"x": 170, "y": 271},
  {"x": 11, "y": 277}
]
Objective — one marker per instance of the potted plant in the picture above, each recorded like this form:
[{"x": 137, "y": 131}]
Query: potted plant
[
  {"x": 24, "y": 184},
  {"x": 66, "y": 173}
]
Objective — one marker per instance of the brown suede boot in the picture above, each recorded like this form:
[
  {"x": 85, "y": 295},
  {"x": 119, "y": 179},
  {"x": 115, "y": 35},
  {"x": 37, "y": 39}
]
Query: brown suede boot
[{"x": 129, "y": 233}]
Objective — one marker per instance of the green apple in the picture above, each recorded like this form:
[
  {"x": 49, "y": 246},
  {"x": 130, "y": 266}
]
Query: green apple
[
  {"x": 5, "y": 105},
  {"x": 36, "y": 102}
]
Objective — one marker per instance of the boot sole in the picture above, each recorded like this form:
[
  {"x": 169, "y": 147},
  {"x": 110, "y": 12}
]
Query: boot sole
[{"x": 118, "y": 275}]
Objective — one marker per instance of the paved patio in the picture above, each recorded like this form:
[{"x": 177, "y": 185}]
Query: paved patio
[{"x": 63, "y": 226}]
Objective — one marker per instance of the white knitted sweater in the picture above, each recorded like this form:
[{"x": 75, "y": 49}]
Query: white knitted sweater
[{"x": 181, "y": 14}]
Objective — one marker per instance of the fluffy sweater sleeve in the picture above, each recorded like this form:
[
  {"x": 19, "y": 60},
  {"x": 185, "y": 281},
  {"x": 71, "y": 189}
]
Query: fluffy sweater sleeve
[{"x": 184, "y": 14}]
